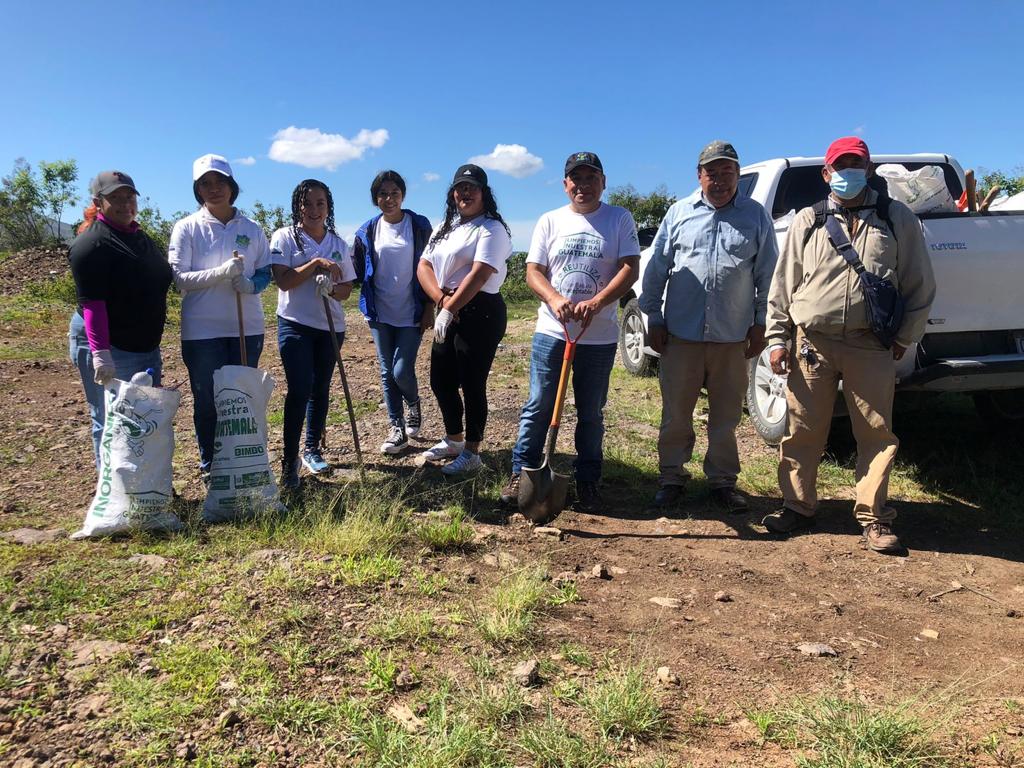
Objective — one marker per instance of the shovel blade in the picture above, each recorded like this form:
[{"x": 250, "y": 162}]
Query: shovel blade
[{"x": 542, "y": 494}]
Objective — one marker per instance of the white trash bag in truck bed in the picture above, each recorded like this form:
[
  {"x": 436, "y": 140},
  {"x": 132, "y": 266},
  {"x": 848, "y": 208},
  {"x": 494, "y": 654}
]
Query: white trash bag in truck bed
[
  {"x": 923, "y": 190},
  {"x": 134, "y": 487},
  {"x": 241, "y": 483}
]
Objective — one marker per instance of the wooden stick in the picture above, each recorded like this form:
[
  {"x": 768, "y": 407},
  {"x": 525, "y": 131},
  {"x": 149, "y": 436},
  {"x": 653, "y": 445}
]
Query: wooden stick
[
  {"x": 972, "y": 190},
  {"x": 241, "y": 322},
  {"x": 344, "y": 386}
]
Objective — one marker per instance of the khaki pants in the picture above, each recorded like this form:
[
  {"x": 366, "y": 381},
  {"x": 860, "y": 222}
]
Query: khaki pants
[
  {"x": 685, "y": 367},
  {"x": 869, "y": 380}
]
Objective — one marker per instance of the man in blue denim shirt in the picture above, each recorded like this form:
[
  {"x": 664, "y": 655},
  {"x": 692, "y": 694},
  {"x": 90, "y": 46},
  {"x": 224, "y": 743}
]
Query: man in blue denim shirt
[{"x": 716, "y": 250}]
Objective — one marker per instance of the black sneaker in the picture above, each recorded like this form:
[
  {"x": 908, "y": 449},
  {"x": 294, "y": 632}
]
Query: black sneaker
[
  {"x": 729, "y": 499},
  {"x": 510, "y": 493},
  {"x": 588, "y": 498},
  {"x": 290, "y": 474},
  {"x": 413, "y": 420},
  {"x": 397, "y": 440},
  {"x": 668, "y": 495},
  {"x": 786, "y": 521}
]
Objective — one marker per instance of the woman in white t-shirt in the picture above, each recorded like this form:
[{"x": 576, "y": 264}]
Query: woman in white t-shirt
[
  {"x": 209, "y": 275},
  {"x": 461, "y": 272},
  {"x": 385, "y": 253},
  {"x": 311, "y": 262}
]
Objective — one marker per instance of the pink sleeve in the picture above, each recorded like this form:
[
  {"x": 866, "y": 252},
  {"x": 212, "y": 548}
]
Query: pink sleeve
[{"x": 97, "y": 326}]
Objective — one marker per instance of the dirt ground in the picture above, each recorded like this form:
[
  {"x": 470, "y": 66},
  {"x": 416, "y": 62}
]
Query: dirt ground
[{"x": 746, "y": 599}]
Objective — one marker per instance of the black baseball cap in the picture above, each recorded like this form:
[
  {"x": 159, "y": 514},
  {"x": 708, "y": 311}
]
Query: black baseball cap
[
  {"x": 589, "y": 159},
  {"x": 471, "y": 174},
  {"x": 718, "y": 150},
  {"x": 107, "y": 181}
]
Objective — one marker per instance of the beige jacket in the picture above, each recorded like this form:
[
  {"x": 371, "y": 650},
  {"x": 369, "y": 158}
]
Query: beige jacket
[{"x": 815, "y": 288}]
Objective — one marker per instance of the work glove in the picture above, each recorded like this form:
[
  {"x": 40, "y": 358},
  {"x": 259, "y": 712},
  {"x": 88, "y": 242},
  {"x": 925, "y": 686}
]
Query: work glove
[
  {"x": 230, "y": 268},
  {"x": 442, "y": 323},
  {"x": 324, "y": 286},
  {"x": 243, "y": 284},
  {"x": 102, "y": 367}
]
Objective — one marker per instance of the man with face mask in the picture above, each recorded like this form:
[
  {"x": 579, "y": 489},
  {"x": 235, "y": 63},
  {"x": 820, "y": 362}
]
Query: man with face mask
[{"x": 818, "y": 332}]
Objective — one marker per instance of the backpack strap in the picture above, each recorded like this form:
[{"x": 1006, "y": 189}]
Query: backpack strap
[
  {"x": 842, "y": 243},
  {"x": 820, "y": 209}
]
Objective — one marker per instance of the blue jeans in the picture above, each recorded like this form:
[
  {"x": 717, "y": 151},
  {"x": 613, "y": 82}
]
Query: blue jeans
[
  {"x": 396, "y": 352},
  {"x": 308, "y": 358},
  {"x": 202, "y": 357},
  {"x": 126, "y": 365},
  {"x": 591, "y": 370}
]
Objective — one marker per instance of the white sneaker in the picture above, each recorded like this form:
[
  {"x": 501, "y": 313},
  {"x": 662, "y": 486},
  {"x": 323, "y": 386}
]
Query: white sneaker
[
  {"x": 446, "y": 449},
  {"x": 464, "y": 463},
  {"x": 396, "y": 442}
]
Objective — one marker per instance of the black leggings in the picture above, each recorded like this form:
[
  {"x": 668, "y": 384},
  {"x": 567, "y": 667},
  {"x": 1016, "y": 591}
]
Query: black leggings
[{"x": 464, "y": 361}]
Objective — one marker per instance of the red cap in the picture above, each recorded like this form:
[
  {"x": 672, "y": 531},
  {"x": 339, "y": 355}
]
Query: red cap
[{"x": 848, "y": 145}]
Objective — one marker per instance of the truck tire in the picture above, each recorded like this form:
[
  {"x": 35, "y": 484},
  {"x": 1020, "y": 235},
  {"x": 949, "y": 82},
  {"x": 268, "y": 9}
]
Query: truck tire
[
  {"x": 1003, "y": 409},
  {"x": 766, "y": 400},
  {"x": 631, "y": 342}
]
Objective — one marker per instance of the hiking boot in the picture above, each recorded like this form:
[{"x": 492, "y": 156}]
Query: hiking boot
[
  {"x": 510, "y": 493},
  {"x": 445, "y": 449},
  {"x": 464, "y": 463},
  {"x": 290, "y": 474},
  {"x": 786, "y": 521},
  {"x": 729, "y": 500},
  {"x": 668, "y": 495},
  {"x": 313, "y": 460},
  {"x": 414, "y": 420},
  {"x": 880, "y": 538},
  {"x": 397, "y": 441},
  {"x": 588, "y": 498}
]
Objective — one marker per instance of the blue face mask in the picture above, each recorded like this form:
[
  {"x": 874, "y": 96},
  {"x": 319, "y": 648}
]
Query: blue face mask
[{"x": 849, "y": 182}]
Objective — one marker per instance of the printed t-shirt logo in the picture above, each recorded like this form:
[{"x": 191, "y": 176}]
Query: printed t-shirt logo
[
  {"x": 242, "y": 241},
  {"x": 336, "y": 255},
  {"x": 578, "y": 279}
]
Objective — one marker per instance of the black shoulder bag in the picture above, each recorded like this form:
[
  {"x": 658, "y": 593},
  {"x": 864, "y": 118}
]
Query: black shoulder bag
[{"x": 885, "y": 305}]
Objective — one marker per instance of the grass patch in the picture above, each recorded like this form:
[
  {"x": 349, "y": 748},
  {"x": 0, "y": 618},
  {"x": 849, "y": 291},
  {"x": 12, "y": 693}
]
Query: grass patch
[
  {"x": 495, "y": 704},
  {"x": 551, "y": 744},
  {"x": 623, "y": 704},
  {"x": 841, "y": 732},
  {"x": 381, "y": 671},
  {"x": 512, "y": 608},
  {"x": 410, "y": 626},
  {"x": 450, "y": 535}
]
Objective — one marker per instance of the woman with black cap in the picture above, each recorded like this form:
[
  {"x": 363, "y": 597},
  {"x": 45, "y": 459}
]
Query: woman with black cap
[
  {"x": 121, "y": 279},
  {"x": 461, "y": 272},
  {"x": 208, "y": 274}
]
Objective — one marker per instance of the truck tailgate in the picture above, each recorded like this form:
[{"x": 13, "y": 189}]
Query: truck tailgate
[{"x": 979, "y": 271}]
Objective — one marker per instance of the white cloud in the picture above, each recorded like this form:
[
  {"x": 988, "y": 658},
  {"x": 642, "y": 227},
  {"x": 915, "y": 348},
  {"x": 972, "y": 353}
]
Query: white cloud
[
  {"x": 513, "y": 159},
  {"x": 250, "y": 160},
  {"x": 311, "y": 148},
  {"x": 431, "y": 176},
  {"x": 858, "y": 130}
]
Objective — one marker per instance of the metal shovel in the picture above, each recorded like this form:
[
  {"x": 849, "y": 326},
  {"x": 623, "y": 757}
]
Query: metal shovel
[{"x": 542, "y": 491}]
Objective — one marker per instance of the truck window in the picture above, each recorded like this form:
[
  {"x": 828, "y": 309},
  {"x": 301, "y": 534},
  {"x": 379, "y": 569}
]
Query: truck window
[
  {"x": 802, "y": 186},
  {"x": 747, "y": 183}
]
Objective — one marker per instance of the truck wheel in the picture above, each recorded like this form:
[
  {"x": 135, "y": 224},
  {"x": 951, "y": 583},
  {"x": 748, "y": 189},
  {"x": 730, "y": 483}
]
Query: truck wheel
[
  {"x": 766, "y": 400},
  {"x": 631, "y": 341},
  {"x": 1003, "y": 409}
]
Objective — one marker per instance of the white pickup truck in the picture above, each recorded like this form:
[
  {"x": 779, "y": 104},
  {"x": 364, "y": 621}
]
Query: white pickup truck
[{"x": 975, "y": 338}]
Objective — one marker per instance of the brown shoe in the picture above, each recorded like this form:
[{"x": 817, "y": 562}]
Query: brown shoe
[
  {"x": 880, "y": 538},
  {"x": 510, "y": 493},
  {"x": 729, "y": 499}
]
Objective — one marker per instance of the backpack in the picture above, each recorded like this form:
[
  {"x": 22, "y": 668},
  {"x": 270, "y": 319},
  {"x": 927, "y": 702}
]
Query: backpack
[{"x": 881, "y": 206}]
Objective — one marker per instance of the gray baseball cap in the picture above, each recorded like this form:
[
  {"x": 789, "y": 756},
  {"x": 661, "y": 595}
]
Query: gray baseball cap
[
  {"x": 718, "y": 150},
  {"x": 107, "y": 181}
]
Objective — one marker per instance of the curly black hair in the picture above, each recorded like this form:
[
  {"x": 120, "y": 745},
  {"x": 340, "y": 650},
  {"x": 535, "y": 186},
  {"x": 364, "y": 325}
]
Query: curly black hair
[
  {"x": 451, "y": 211},
  {"x": 299, "y": 196}
]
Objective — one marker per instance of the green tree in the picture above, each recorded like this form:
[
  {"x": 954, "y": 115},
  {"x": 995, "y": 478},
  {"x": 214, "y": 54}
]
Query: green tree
[
  {"x": 58, "y": 187},
  {"x": 270, "y": 219},
  {"x": 1010, "y": 183},
  {"x": 21, "y": 199},
  {"x": 648, "y": 210},
  {"x": 155, "y": 225}
]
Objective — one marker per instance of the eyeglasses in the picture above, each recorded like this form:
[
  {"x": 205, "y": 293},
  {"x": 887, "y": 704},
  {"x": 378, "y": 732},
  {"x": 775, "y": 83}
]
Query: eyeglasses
[{"x": 389, "y": 195}]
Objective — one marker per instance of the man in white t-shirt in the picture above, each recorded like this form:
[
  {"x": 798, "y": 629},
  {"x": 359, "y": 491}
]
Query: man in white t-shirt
[{"x": 583, "y": 258}]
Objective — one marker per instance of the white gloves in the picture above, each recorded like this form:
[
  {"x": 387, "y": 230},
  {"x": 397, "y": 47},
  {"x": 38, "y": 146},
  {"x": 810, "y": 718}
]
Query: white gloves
[
  {"x": 442, "y": 323},
  {"x": 324, "y": 286},
  {"x": 230, "y": 268},
  {"x": 243, "y": 284},
  {"x": 102, "y": 367}
]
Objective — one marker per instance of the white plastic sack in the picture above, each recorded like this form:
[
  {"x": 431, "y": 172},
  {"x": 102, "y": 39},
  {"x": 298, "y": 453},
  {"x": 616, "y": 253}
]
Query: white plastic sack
[
  {"x": 134, "y": 487},
  {"x": 241, "y": 482},
  {"x": 923, "y": 190}
]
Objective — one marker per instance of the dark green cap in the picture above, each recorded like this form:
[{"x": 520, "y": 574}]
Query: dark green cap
[{"x": 718, "y": 150}]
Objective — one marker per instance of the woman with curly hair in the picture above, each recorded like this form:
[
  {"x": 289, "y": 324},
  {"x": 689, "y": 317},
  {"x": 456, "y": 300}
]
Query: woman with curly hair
[
  {"x": 386, "y": 252},
  {"x": 209, "y": 274},
  {"x": 310, "y": 262},
  {"x": 461, "y": 272}
]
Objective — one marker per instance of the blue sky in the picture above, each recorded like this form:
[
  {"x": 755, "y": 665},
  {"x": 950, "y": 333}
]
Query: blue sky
[{"x": 423, "y": 87}]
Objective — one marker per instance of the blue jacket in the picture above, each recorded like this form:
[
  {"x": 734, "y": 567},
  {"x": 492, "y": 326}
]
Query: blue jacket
[{"x": 364, "y": 257}]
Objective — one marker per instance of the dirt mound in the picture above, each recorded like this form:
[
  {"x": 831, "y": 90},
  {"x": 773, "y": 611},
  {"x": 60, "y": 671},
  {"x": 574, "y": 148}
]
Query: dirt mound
[{"x": 31, "y": 265}]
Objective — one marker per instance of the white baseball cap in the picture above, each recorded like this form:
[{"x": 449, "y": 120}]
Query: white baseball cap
[{"x": 206, "y": 163}]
